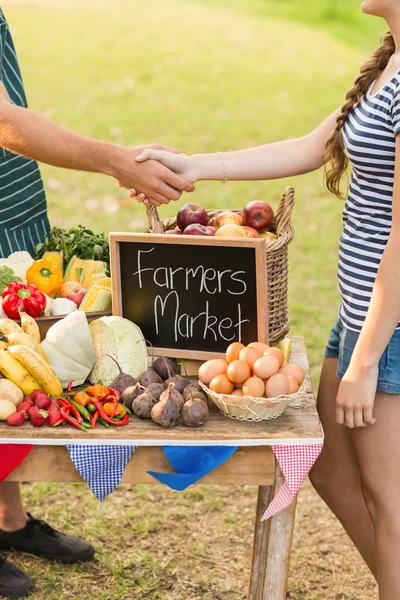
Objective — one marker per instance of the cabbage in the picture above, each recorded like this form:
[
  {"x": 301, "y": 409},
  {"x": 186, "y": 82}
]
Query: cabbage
[
  {"x": 124, "y": 341},
  {"x": 69, "y": 348}
]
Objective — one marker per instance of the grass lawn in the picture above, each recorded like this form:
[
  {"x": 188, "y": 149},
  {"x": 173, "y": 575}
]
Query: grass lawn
[{"x": 201, "y": 76}]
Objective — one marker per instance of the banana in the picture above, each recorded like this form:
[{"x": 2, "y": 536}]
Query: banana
[
  {"x": 8, "y": 326},
  {"x": 38, "y": 368},
  {"x": 15, "y": 372},
  {"x": 29, "y": 325},
  {"x": 23, "y": 339}
]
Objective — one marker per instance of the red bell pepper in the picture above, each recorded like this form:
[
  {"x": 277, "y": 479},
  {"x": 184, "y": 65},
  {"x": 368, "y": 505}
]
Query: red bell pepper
[{"x": 18, "y": 295}]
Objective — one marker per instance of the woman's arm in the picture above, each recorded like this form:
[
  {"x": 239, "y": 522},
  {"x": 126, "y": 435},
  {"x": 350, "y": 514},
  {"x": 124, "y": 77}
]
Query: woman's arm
[
  {"x": 25, "y": 132},
  {"x": 272, "y": 161},
  {"x": 357, "y": 391}
]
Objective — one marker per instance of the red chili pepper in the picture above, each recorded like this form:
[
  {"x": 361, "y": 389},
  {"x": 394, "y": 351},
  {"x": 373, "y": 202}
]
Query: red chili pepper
[
  {"x": 115, "y": 407},
  {"x": 65, "y": 402},
  {"x": 59, "y": 422},
  {"x": 76, "y": 414},
  {"x": 106, "y": 418},
  {"x": 115, "y": 392},
  {"x": 69, "y": 388},
  {"x": 18, "y": 296},
  {"x": 93, "y": 418},
  {"x": 65, "y": 413}
]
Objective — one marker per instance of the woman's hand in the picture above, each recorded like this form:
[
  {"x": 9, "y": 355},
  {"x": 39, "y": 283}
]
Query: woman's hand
[
  {"x": 164, "y": 155},
  {"x": 356, "y": 397},
  {"x": 175, "y": 162}
]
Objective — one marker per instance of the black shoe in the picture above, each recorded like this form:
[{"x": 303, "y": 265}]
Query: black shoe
[
  {"x": 13, "y": 582},
  {"x": 39, "y": 538}
]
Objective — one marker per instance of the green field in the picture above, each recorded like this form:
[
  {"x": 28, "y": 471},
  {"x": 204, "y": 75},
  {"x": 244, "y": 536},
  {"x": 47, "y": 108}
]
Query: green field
[{"x": 201, "y": 76}]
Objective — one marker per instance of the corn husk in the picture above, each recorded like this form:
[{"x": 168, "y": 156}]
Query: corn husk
[{"x": 73, "y": 272}]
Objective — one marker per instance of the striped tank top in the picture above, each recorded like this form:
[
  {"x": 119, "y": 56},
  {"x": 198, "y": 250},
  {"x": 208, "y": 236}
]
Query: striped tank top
[
  {"x": 23, "y": 209},
  {"x": 370, "y": 138}
]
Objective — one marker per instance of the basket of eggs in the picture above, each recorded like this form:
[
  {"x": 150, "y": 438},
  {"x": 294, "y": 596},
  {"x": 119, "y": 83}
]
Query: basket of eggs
[{"x": 252, "y": 383}]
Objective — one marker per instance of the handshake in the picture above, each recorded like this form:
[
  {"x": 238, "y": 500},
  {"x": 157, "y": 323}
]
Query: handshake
[{"x": 154, "y": 174}]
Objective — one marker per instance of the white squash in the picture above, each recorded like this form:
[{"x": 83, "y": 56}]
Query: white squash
[
  {"x": 69, "y": 348},
  {"x": 10, "y": 391},
  {"x": 7, "y": 408}
]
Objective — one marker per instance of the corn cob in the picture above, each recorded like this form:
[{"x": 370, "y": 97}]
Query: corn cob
[
  {"x": 90, "y": 267},
  {"x": 97, "y": 299}
]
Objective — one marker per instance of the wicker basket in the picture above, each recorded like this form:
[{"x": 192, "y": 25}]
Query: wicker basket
[
  {"x": 277, "y": 261},
  {"x": 247, "y": 408}
]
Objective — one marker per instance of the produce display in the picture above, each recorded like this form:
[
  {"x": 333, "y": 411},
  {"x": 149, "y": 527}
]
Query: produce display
[
  {"x": 61, "y": 280},
  {"x": 256, "y": 370},
  {"x": 255, "y": 221}
]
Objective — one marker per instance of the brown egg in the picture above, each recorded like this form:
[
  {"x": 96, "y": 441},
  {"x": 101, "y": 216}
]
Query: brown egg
[
  {"x": 293, "y": 371},
  {"x": 237, "y": 392},
  {"x": 277, "y": 353},
  {"x": 266, "y": 366},
  {"x": 261, "y": 347},
  {"x": 211, "y": 369},
  {"x": 233, "y": 351},
  {"x": 222, "y": 384},
  {"x": 238, "y": 371},
  {"x": 250, "y": 355},
  {"x": 254, "y": 387},
  {"x": 293, "y": 385},
  {"x": 277, "y": 385}
]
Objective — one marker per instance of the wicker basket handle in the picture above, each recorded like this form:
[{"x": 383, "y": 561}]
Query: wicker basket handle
[
  {"x": 284, "y": 212},
  {"x": 155, "y": 222}
]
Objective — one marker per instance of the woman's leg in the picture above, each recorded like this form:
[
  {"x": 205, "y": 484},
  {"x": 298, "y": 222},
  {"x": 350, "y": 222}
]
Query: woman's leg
[
  {"x": 12, "y": 512},
  {"x": 336, "y": 476},
  {"x": 377, "y": 449}
]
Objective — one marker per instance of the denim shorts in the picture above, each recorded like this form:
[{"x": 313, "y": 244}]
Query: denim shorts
[{"x": 341, "y": 345}]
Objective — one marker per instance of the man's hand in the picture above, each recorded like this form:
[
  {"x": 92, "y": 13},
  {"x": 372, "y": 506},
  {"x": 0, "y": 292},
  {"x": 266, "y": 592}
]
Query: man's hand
[
  {"x": 152, "y": 180},
  {"x": 356, "y": 397}
]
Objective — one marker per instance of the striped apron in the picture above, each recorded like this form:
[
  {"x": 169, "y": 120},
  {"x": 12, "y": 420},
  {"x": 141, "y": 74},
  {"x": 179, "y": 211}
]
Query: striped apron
[{"x": 23, "y": 208}]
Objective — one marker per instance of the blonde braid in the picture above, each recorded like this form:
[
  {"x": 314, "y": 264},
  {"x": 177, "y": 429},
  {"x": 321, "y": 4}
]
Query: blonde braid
[{"x": 335, "y": 150}]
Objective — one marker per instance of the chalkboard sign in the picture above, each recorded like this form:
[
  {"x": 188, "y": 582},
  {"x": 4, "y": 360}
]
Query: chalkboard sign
[{"x": 191, "y": 296}]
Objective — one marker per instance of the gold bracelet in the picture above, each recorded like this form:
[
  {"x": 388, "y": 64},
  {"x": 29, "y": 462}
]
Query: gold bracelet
[{"x": 221, "y": 156}]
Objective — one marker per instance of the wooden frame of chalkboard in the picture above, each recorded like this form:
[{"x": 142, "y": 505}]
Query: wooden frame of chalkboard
[{"x": 140, "y": 299}]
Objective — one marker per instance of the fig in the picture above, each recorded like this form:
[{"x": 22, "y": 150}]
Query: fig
[
  {"x": 165, "y": 367},
  {"x": 167, "y": 411},
  {"x": 131, "y": 393},
  {"x": 194, "y": 413},
  {"x": 149, "y": 377},
  {"x": 180, "y": 382},
  {"x": 194, "y": 391},
  {"x": 143, "y": 404}
]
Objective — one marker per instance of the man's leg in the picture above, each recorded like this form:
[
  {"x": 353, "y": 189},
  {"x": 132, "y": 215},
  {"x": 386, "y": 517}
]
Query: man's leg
[
  {"x": 12, "y": 512},
  {"x": 20, "y": 531}
]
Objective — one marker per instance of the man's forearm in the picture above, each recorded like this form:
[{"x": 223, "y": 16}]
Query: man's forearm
[{"x": 28, "y": 133}]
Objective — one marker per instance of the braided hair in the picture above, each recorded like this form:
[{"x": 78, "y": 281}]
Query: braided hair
[{"x": 335, "y": 153}]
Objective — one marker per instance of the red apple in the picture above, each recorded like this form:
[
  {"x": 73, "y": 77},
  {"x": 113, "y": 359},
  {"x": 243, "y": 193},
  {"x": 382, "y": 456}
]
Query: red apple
[
  {"x": 77, "y": 297},
  {"x": 212, "y": 229},
  {"x": 196, "y": 229},
  {"x": 175, "y": 231},
  {"x": 191, "y": 214},
  {"x": 211, "y": 222},
  {"x": 258, "y": 214},
  {"x": 228, "y": 218},
  {"x": 250, "y": 232}
]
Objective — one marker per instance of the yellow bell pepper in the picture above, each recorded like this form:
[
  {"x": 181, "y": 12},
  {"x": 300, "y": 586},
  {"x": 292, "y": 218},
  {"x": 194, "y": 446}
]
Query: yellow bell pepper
[{"x": 47, "y": 277}]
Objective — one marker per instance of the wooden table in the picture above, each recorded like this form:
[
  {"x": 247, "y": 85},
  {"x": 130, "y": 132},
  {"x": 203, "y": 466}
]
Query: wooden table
[{"x": 253, "y": 464}]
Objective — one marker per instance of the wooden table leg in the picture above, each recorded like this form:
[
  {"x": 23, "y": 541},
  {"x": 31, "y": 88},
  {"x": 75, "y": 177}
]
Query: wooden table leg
[{"x": 272, "y": 546}]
